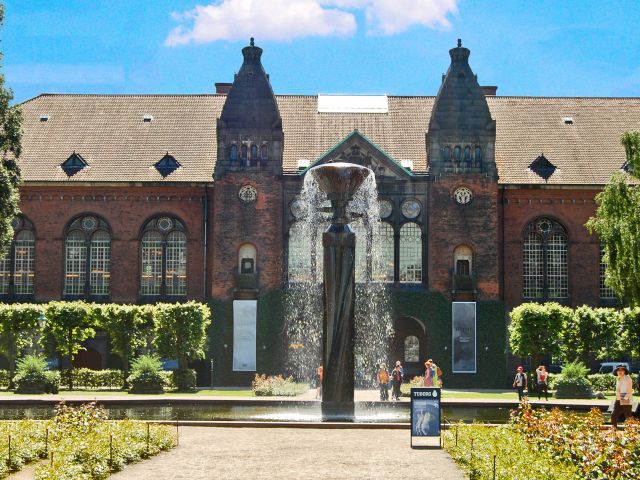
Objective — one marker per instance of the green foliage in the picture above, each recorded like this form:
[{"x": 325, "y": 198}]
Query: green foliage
[
  {"x": 69, "y": 324},
  {"x": 277, "y": 386},
  {"x": 617, "y": 223},
  {"x": 180, "y": 331},
  {"x": 474, "y": 448},
  {"x": 95, "y": 379},
  {"x": 83, "y": 441},
  {"x": 630, "y": 331},
  {"x": 33, "y": 377},
  {"x": 535, "y": 328},
  {"x": 588, "y": 332},
  {"x": 27, "y": 444},
  {"x": 573, "y": 381},
  {"x": 18, "y": 322},
  {"x": 10, "y": 148},
  {"x": 405, "y": 388},
  {"x": 185, "y": 378},
  {"x": 606, "y": 382},
  {"x": 146, "y": 375},
  {"x": 126, "y": 326}
]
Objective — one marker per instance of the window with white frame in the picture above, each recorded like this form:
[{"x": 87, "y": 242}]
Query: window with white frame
[
  {"x": 163, "y": 252},
  {"x": 87, "y": 265},
  {"x": 17, "y": 265},
  {"x": 606, "y": 292},
  {"x": 383, "y": 266},
  {"x": 5, "y": 270},
  {"x": 545, "y": 264},
  {"x": 410, "y": 253}
]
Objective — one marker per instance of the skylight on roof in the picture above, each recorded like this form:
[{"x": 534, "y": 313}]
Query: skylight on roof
[
  {"x": 568, "y": 120},
  {"x": 167, "y": 165},
  {"x": 542, "y": 167},
  {"x": 73, "y": 164},
  {"x": 353, "y": 104},
  {"x": 44, "y": 118},
  {"x": 147, "y": 118}
]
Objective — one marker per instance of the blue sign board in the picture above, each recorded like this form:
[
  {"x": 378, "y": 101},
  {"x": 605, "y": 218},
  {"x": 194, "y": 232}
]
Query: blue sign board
[{"x": 425, "y": 412}]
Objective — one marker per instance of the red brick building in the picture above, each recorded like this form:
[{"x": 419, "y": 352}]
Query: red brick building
[{"x": 142, "y": 198}]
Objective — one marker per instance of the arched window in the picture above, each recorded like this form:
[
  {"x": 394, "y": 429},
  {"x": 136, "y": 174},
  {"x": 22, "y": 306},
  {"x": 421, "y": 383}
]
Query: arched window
[
  {"x": 411, "y": 253},
  {"x": 463, "y": 260},
  {"x": 87, "y": 257},
  {"x": 233, "y": 153},
  {"x": 247, "y": 256},
  {"x": 243, "y": 152},
  {"x": 17, "y": 266},
  {"x": 456, "y": 153},
  {"x": 467, "y": 153},
  {"x": 299, "y": 264},
  {"x": 544, "y": 259},
  {"x": 411, "y": 349},
  {"x": 446, "y": 154},
  {"x": 478, "y": 155},
  {"x": 606, "y": 292},
  {"x": 383, "y": 266},
  {"x": 264, "y": 152},
  {"x": 163, "y": 253}
]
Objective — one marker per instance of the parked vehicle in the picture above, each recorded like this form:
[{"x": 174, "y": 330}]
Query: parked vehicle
[{"x": 609, "y": 367}]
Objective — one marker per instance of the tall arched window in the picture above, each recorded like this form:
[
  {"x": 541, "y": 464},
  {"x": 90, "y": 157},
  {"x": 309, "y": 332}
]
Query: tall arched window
[
  {"x": 411, "y": 349},
  {"x": 243, "y": 154},
  {"x": 233, "y": 152},
  {"x": 163, "y": 253},
  {"x": 606, "y": 292},
  {"x": 299, "y": 265},
  {"x": 87, "y": 257},
  {"x": 456, "y": 153},
  {"x": 264, "y": 152},
  {"x": 411, "y": 253},
  {"x": 446, "y": 154},
  {"x": 17, "y": 266},
  {"x": 467, "y": 153},
  {"x": 478, "y": 155},
  {"x": 544, "y": 259},
  {"x": 463, "y": 260},
  {"x": 247, "y": 257},
  {"x": 383, "y": 266}
]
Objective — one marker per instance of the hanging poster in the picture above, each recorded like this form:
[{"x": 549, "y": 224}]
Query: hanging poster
[
  {"x": 244, "y": 335},
  {"x": 425, "y": 414},
  {"x": 464, "y": 337}
]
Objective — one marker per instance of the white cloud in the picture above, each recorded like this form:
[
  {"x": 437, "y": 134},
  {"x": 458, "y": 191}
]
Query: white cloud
[
  {"x": 266, "y": 20},
  {"x": 284, "y": 20}
]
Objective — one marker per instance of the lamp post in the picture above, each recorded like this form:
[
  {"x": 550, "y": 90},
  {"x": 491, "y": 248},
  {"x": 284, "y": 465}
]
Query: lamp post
[
  {"x": 212, "y": 373},
  {"x": 42, "y": 322}
]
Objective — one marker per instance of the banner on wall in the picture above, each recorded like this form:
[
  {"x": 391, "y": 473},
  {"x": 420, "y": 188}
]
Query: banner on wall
[
  {"x": 464, "y": 337},
  {"x": 425, "y": 416},
  {"x": 244, "y": 335}
]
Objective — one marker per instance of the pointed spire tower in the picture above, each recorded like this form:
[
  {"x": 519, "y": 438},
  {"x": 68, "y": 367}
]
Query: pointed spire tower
[
  {"x": 462, "y": 134},
  {"x": 250, "y": 127}
]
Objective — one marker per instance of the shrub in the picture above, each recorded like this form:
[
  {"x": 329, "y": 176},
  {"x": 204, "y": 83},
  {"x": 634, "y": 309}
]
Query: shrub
[
  {"x": 94, "y": 379},
  {"x": 405, "y": 388},
  {"x": 4, "y": 378},
  {"x": 184, "y": 379},
  {"x": 31, "y": 376},
  {"x": 146, "y": 375},
  {"x": 277, "y": 386},
  {"x": 573, "y": 382},
  {"x": 606, "y": 382}
]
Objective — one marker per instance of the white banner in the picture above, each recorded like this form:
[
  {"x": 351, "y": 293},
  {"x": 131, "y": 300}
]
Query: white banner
[
  {"x": 244, "y": 335},
  {"x": 464, "y": 337}
]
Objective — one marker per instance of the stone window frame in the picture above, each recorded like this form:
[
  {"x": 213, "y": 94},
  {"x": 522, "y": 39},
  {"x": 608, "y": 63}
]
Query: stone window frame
[
  {"x": 172, "y": 239},
  {"x": 9, "y": 289},
  {"x": 545, "y": 260},
  {"x": 83, "y": 230}
]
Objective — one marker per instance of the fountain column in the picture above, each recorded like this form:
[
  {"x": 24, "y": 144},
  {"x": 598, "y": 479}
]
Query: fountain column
[{"x": 339, "y": 181}]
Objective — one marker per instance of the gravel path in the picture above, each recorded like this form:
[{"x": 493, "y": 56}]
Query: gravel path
[{"x": 293, "y": 453}]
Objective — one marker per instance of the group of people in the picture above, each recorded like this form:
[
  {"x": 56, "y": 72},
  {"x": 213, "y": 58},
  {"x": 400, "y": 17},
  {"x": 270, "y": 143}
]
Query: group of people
[
  {"x": 520, "y": 383},
  {"x": 432, "y": 378}
]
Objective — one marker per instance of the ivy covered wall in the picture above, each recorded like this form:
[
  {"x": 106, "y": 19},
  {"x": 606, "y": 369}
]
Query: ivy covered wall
[{"x": 430, "y": 308}]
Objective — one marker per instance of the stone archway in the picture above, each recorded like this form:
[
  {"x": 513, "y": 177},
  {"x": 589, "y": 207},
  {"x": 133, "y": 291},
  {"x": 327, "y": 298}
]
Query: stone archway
[
  {"x": 409, "y": 346},
  {"x": 88, "y": 358}
]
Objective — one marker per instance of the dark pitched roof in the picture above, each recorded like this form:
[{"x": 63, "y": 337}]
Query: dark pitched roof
[{"x": 110, "y": 134}]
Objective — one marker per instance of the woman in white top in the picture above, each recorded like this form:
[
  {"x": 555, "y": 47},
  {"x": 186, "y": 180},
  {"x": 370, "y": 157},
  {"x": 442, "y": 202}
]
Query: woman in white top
[{"x": 624, "y": 396}]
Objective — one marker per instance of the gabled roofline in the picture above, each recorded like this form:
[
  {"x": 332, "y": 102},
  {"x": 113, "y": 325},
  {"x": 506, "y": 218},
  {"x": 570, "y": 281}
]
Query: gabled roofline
[{"x": 354, "y": 133}]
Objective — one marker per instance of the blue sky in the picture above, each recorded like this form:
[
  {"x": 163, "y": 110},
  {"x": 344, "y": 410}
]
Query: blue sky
[{"x": 399, "y": 47}]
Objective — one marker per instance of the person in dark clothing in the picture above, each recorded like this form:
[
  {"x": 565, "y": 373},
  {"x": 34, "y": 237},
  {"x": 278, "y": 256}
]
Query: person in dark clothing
[
  {"x": 543, "y": 383},
  {"x": 520, "y": 383},
  {"x": 396, "y": 381}
]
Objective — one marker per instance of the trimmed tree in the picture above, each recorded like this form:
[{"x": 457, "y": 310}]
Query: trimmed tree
[
  {"x": 589, "y": 332},
  {"x": 10, "y": 136},
  {"x": 181, "y": 332},
  {"x": 534, "y": 330},
  {"x": 69, "y": 324},
  {"x": 630, "y": 334},
  {"x": 617, "y": 223},
  {"x": 126, "y": 329},
  {"x": 18, "y": 323}
]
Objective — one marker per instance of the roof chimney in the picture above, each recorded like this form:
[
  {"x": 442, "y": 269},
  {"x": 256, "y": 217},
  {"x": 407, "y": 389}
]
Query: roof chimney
[
  {"x": 222, "y": 88},
  {"x": 489, "y": 90}
]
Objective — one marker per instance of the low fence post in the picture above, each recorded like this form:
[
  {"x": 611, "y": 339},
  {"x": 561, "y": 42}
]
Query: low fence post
[
  {"x": 9, "y": 455},
  {"x": 111, "y": 452},
  {"x": 46, "y": 442},
  {"x": 494, "y": 467},
  {"x": 148, "y": 439}
]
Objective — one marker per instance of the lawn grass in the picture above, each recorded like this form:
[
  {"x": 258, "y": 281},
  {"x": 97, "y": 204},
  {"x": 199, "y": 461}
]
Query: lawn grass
[{"x": 245, "y": 392}]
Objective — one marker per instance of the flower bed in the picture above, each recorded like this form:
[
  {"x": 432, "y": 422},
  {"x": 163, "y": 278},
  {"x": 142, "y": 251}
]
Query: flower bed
[
  {"x": 79, "y": 443},
  {"x": 277, "y": 386}
]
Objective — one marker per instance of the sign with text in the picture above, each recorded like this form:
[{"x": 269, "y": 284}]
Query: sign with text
[
  {"x": 425, "y": 413},
  {"x": 244, "y": 335},
  {"x": 464, "y": 337}
]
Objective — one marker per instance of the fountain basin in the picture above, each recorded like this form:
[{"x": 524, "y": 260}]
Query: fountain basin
[{"x": 340, "y": 180}]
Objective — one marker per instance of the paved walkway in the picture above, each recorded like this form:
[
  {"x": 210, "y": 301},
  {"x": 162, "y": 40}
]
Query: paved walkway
[{"x": 293, "y": 453}]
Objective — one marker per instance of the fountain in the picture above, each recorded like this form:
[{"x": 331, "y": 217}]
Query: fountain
[{"x": 339, "y": 181}]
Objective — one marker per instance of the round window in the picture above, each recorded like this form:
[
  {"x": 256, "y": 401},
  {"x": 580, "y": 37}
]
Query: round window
[
  {"x": 298, "y": 209},
  {"x": 89, "y": 223},
  {"x": 247, "y": 194},
  {"x": 463, "y": 195},
  {"x": 386, "y": 208},
  {"x": 411, "y": 208},
  {"x": 165, "y": 224}
]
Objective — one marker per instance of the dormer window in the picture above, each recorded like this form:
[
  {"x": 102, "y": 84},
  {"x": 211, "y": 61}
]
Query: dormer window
[
  {"x": 543, "y": 167},
  {"x": 73, "y": 164},
  {"x": 167, "y": 165},
  {"x": 233, "y": 153}
]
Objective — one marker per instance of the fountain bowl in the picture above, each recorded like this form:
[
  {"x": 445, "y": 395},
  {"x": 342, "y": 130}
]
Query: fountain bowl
[{"x": 340, "y": 180}]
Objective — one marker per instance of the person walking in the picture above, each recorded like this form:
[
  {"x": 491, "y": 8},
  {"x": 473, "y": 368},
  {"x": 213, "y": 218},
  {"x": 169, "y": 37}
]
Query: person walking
[
  {"x": 437, "y": 375},
  {"x": 428, "y": 374},
  {"x": 624, "y": 396},
  {"x": 396, "y": 381},
  {"x": 520, "y": 383},
  {"x": 383, "y": 382},
  {"x": 543, "y": 384}
]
